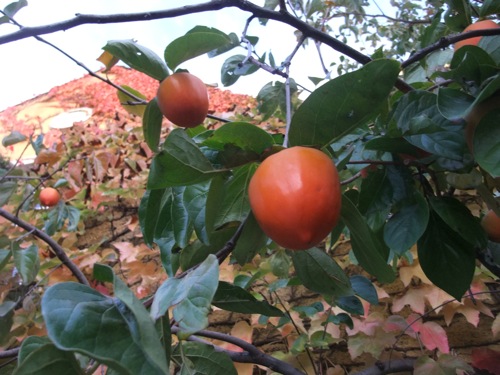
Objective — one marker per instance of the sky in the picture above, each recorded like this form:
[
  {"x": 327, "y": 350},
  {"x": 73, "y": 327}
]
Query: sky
[{"x": 29, "y": 68}]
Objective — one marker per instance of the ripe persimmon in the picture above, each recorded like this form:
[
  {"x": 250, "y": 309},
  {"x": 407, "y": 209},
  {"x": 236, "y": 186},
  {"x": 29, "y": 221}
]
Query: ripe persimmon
[
  {"x": 49, "y": 197},
  {"x": 491, "y": 225},
  {"x": 295, "y": 196},
  {"x": 479, "y": 25},
  {"x": 183, "y": 99}
]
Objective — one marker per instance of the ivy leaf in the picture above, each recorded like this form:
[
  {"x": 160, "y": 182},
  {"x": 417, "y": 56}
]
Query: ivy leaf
[
  {"x": 320, "y": 273},
  {"x": 190, "y": 297},
  {"x": 138, "y": 57},
  {"x": 234, "y": 298},
  {"x": 431, "y": 334},
  {"x": 197, "y": 41},
  {"x": 342, "y": 104}
]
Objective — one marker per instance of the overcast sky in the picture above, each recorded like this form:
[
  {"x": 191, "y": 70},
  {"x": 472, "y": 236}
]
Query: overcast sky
[{"x": 29, "y": 68}]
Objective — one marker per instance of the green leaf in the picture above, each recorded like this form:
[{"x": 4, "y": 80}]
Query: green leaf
[
  {"x": 151, "y": 124},
  {"x": 489, "y": 7},
  {"x": 6, "y": 320},
  {"x": 4, "y": 257},
  {"x": 188, "y": 212},
  {"x": 179, "y": 163},
  {"x": 458, "y": 217},
  {"x": 251, "y": 240},
  {"x": 452, "y": 103},
  {"x": 320, "y": 273},
  {"x": 351, "y": 304},
  {"x": 204, "y": 359},
  {"x": 7, "y": 188},
  {"x": 366, "y": 246},
  {"x": 27, "y": 263},
  {"x": 235, "y": 206},
  {"x": 134, "y": 109},
  {"x": 80, "y": 319},
  {"x": 272, "y": 97},
  {"x": 471, "y": 65},
  {"x": 346, "y": 102},
  {"x": 446, "y": 259},
  {"x": 196, "y": 42},
  {"x": 149, "y": 212},
  {"x": 407, "y": 225},
  {"x": 138, "y": 57},
  {"x": 243, "y": 135},
  {"x": 234, "y": 42},
  {"x": 234, "y": 67},
  {"x": 59, "y": 216},
  {"x": 190, "y": 297},
  {"x": 11, "y": 10},
  {"x": 13, "y": 138},
  {"x": 364, "y": 289},
  {"x": 486, "y": 143},
  {"x": 47, "y": 359},
  {"x": 233, "y": 298}
]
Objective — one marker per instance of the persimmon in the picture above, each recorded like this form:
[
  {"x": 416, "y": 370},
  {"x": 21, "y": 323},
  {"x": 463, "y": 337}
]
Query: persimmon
[
  {"x": 479, "y": 25},
  {"x": 473, "y": 118},
  {"x": 491, "y": 225},
  {"x": 49, "y": 197},
  {"x": 183, "y": 99},
  {"x": 295, "y": 196}
]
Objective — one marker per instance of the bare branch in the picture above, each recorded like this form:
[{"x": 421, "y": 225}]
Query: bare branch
[
  {"x": 445, "y": 42},
  {"x": 251, "y": 354},
  {"x": 58, "y": 250}
]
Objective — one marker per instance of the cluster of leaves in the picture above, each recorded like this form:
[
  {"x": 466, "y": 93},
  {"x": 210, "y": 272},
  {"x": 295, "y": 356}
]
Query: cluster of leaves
[{"x": 195, "y": 212}]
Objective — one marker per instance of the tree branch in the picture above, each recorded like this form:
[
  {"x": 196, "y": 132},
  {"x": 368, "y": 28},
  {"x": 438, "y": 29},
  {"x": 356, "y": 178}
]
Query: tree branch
[
  {"x": 250, "y": 355},
  {"x": 445, "y": 42},
  {"x": 58, "y": 250}
]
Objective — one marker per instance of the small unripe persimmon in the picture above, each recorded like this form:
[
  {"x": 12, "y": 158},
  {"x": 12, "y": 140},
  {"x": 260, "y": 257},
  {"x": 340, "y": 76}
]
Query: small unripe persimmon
[
  {"x": 183, "y": 99},
  {"x": 49, "y": 197}
]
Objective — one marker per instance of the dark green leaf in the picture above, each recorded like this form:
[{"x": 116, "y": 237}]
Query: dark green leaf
[
  {"x": 453, "y": 104},
  {"x": 243, "y": 135},
  {"x": 235, "y": 206},
  {"x": 204, "y": 359},
  {"x": 27, "y": 263},
  {"x": 138, "y": 57},
  {"x": 179, "y": 163},
  {"x": 344, "y": 103},
  {"x": 407, "y": 225},
  {"x": 366, "y": 246},
  {"x": 446, "y": 259},
  {"x": 251, "y": 240},
  {"x": 458, "y": 217},
  {"x": 151, "y": 124},
  {"x": 47, "y": 359},
  {"x": 233, "y": 298},
  {"x": 191, "y": 297},
  {"x": 364, "y": 288},
  {"x": 320, "y": 273},
  {"x": 80, "y": 319},
  {"x": 351, "y": 304},
  {"x": 486, "y": 143},
  {"x": 4, "y": 257},
  {"x": 149, "y": 211},
  {"x": 489, "y": 7},
  {"x": 272, "y": 97},
  {"x": 7, "y": 188},
  {"x": 341, "y": 318},
  {"x": 197, "y": 41},
  {"x": 6, "y": 320}
]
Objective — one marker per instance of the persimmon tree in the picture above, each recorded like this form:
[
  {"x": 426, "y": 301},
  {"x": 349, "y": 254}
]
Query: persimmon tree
[{"x": 392, "y": 121}]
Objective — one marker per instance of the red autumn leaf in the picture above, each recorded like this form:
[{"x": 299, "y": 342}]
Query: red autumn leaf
[
  {"x": 486, "y": 359},
  {"x": 432, "y": 335}
]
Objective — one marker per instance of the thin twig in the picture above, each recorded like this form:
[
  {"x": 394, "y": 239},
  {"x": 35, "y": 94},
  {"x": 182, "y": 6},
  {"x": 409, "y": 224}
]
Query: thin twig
[{"x": 58, "y": 250}]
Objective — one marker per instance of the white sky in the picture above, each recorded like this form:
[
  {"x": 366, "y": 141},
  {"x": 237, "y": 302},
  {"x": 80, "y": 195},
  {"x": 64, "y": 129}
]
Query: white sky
[{"x": 29, "y": 68}]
